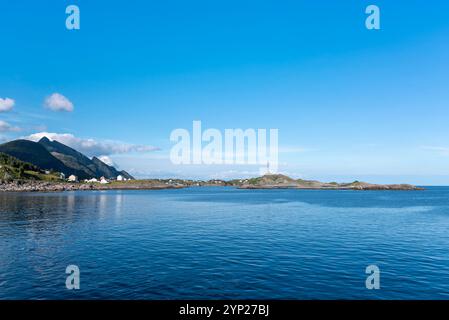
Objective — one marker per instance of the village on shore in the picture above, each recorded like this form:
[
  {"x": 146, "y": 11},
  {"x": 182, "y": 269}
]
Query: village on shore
[
  {"x": 102, "y": 180},
  {"x": 268, "y": 181}
]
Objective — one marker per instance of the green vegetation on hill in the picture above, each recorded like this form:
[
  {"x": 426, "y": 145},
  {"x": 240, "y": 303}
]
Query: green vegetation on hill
[
  {"x": 12, "y": 169},
  {"x": 57, "y": 157},
  {"x": 6, "y": 160},
  {"x": 276, "y": 181},
  {"x": 34, "y": 153},
  {"x": 271, "y": 179}
]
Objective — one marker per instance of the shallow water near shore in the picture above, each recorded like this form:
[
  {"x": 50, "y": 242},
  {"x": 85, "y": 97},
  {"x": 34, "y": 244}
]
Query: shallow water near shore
[{"x": 225, "y": 243}]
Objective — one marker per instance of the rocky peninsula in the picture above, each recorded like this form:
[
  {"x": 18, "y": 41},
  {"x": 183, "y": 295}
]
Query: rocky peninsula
[{"x": 279, "y": 181}]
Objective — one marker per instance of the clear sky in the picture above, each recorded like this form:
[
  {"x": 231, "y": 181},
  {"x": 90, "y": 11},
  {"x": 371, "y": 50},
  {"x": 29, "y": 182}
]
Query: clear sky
[{"x": 349, "y": 103}]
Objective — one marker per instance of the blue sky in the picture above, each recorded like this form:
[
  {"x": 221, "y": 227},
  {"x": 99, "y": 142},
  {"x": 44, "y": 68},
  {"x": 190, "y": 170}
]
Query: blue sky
[{"x": 349, "y": 103}]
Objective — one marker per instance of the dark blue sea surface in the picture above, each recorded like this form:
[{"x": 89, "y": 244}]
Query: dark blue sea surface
[{"x": 224, "y": 243}]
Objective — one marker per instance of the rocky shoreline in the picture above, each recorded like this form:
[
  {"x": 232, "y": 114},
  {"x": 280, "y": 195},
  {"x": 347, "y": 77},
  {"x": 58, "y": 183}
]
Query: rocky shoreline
[
  {"x": 44, "y": 186},
  {"x": 47, "y": 186},
  {"x": 373, "y": 187}
]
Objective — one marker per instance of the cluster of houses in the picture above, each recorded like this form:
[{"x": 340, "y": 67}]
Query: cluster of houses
[{"x": 102, "y": 180}]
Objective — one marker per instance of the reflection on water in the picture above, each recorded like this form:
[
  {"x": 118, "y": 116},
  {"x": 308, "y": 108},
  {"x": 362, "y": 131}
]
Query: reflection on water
[
  {"x": 225, "y": 243},
  {"x": 51, "y": 210}
]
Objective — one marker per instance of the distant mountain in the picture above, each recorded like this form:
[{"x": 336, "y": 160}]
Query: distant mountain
[
  {"x": 78, "y": 161},
  {"x": 53, "y": 155},
  {"x": 34, "y": 153},
  {"x": 70, "y": 157},
  {"x": 109, "y": 171}
]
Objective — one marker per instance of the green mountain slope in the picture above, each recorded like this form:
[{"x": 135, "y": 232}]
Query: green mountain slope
[
  {"x": 70, "y": 157},
  {"x": 57, "y": 157},
  {"x": 34, "y": 153},
  {"x": 12, "y": 169},
  {"x": 78, "y": 161}
]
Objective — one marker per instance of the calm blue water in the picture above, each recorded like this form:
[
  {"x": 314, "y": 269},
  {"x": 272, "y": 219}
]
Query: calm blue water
[{"x": 214, "y": 243}]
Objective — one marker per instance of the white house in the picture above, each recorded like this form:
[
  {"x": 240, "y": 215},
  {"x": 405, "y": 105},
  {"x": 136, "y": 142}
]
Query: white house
[
  {"x": 73, "y": 178},
  {"x": 93, "y": 180},
  {"x": 103, "y": 180},
  {"x": 120, "y": 178}
]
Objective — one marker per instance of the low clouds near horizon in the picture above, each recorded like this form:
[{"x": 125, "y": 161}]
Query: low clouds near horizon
[
  {"x": 6, "y": 127},
  {"x": 444, "y": 151},
  {"x": 58, "y": 102},
  {"x": 91, "y": 147},
  {"x": 6, "y": 104},
  {"x": 108, "y": 161}
]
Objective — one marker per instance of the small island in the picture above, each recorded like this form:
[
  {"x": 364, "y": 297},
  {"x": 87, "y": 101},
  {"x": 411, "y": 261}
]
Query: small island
[{"x": 279, "y": 181}]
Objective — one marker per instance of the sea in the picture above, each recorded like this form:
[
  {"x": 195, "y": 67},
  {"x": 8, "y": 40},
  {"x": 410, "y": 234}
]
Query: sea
[{"x": 225, "y": 243}]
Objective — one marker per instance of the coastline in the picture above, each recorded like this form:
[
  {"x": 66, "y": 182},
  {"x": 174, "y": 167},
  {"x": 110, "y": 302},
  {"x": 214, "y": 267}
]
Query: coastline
[
  {"x": 48, "y": 186},
  {"x": 41, "y": 186},
  {"x": 360, "y": 188}
]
